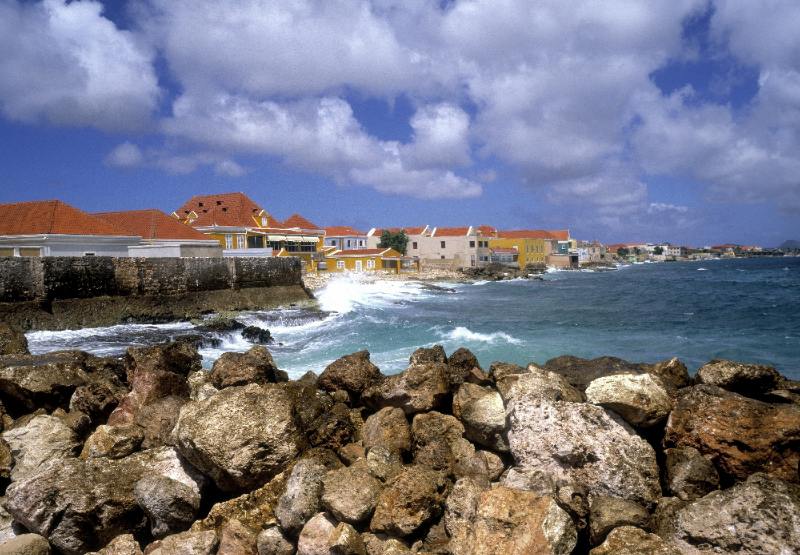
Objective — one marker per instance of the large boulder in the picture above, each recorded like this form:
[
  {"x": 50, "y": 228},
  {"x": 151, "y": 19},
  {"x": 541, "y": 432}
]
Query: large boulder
[
  {"x": 150, "y": 382},
  {"x": 387, "y": 428},
  {"x": 483, "y": 415},
  {"x": 242, "y": 436},
  {"x": 26, "y": 544},
  {"x": 462, "y": 366},
  {"x": 750, "y": 380},
  {"x": 352, "y": 373},
  {"x": 237, "y": 539},
  {"x": 271, "y": 541},
  {"x": 113, "y": 442},
  {"x": 254, "y": 366},
  {"x": 80, "y": 506},
  {"x": 438, "y": 442},
  {"x": 185, "y": 543},
  {"x": 179, "y": 357},
  {"x": 424, "y": 355},
  {"x": 315, "y": 538},
  {"x": 420, "y": 388},
  {"x": 301, "y": 500},
  {"x": 157, "y": 419},
  {"x": 629, "y": 540},
  {"x": 641, "y": 400},
  {"x": 580, "y": 372},
  {"x": 12, "y": 341},
  {"x": 740, "y": 435},
  {"x": 689, "y": 474},
  {"x": 557, "y": 443},
  {"x": 171, "y": 506},
  {"x": 97, "y": 399},
  {"x": 411, "y": 500},
  {"x": 350, "y": 493},
  {"x": 673, "y": 373},
  {"x": 39, "y": 442},
  {"x": 537, "y": 382},
  {"x": 761, "y": 515}
]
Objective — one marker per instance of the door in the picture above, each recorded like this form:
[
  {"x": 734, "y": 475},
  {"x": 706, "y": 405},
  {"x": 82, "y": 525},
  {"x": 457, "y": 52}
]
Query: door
[{"x": 359, "y": 265}]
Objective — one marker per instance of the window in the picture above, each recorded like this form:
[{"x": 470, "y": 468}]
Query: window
[
  {"x": 229, "y": 242},
  {"x": 472, "y": 244},
  {"x": 340, "y": 264},
  {"x": 442, "y": 257},
  {"x": 414, "y": 245},
  {"x": 84, "y": 254},
  {"x": 263, "y": 221},
  {"x": 442, "y": 244},
  {"x": 241, "y": 242},
  {"x": 370, "y": 263},
  {"x": 348, "y": 242}
]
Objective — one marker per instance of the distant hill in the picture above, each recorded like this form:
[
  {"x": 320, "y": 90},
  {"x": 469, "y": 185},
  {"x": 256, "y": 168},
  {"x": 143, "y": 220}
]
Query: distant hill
[{"x": 791, "y": 244}]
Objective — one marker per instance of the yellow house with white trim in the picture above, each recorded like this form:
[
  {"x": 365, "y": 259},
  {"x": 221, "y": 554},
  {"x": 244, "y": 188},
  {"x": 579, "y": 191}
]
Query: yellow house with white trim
[{"x": 368, "y": 260}]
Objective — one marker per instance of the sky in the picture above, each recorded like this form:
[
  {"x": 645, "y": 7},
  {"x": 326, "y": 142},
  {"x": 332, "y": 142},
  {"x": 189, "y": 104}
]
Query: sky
[{"x": 623, "y": 120}]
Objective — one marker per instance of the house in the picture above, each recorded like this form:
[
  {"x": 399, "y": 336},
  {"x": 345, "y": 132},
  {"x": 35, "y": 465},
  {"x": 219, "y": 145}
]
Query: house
[
  {"x": 54, "y": 228},
  {"x": 414, "y": 234},
  {"x": 454, "y": 247},
  {"x": 162, "y": 236},
  {"x": 590, "y": 252},
  {"x": 536, "y": 247},
  {"x": 368, "y": 260},
  {"x": 504, "y": 256},
  {"x": 345, "y": 238}
]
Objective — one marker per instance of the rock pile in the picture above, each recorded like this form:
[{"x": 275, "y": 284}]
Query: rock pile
[{"x": 151, "y": 454}]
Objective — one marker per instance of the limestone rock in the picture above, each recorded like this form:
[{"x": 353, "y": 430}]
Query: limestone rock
[
  {"x": 384, "y": 464},
  {"x": 537, "y": 382},
  {"x": 640, "y": 399},
  {"x": 460, "y": 512},
  {"x": 607, "y": 513},
  {"x": 460, "y": 367},
  {"x": 582, "y": 444},
  {"x": 170, "y": 505},
  {"x": 271, "y": 541},
  {"x": 499, "y": 370},
  {"x": 629, "y": 540},
  {"x": 580, "y": 372},
  {"x": 97, "y": 399},
  {"x": 387, "y": 428},
  {"x": 350, "y": 493},
  {"x": 425, "y": 355},
  {"x": 301, "y": 500},
  {"x": 673, "y": 373},
  {"x": 438, "y": 443},
  {"x": 761, "y": 515},
  {"x": 8, "y": 528},
  {"x": 750, "y": 380},
  {"x": 483, "y": 415},
  {"x": 381, "y": 544},
  {"x": 26, "y": 544},
  {"x": 332, "y": 429},
  {"x": 740, "y": 435},
  {"x": 315, "y": 538},
  {"x": 352, "y": 373},
  {"x": 157, "y": 419},
  {"x": 113, "y": 442},
  {"x": 30, "y": 382},
  {"x": 254, "y": 366},
  {"x": 420, "y": 388},
  {"x": 237, "y": 539},
  {"x": 345, "y": 540},
  {"x": 121, "y": 545},
  {"x": 689, "y": 474},
  {"x": 43, "y": 440},
  {"x": 411, "y": 499},
  {"x": 12, "y": 341},
  {"x": 178, "y": 357},
  {"x": 200, "y": 387},
  {"x": 240, "y": 437},
  {"x": 185, "y": 543}
]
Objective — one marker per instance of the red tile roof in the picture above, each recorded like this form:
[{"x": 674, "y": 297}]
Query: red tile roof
[
  {"x": 486, "y": 229},
  {"x": 226, "y": 209},
  {"x": 560, "y": 235},
  {"x": 296, "y": 220},
  {"x": 52, "y": 217},
  {"x": 409, "y": 230},
  {"x": 342, "y": 230},
  {"x": 151, "y": 224},
  {"x": 450, "y": 232}
]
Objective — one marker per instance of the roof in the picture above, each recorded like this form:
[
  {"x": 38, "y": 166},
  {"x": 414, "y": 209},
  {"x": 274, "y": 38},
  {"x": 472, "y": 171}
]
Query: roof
[
  {"x": 486, "y": 229},
  {"x": 225, "y": 209},
  {"x": 559, "y": 234},
  {"x": 450, "y": 231},
  {"x": 151, "y": 224},
  {"x": 409, "y": 230},
  {"x": 52, "y": 217},
  {"x": 342, "y": 230},
  {"x": 296, "y": 220}
]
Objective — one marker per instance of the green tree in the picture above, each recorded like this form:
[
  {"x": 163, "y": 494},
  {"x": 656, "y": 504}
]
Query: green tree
[
  {"x": 659, "y": 250},
  {"x": 623, "y": 252},
  {"x": 397, "y": 241}
]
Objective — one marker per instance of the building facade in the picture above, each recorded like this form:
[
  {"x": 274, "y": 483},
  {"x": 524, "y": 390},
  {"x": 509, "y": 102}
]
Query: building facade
[
  {"x": 368, "y": 260},
  {"x": 345, "y": 238}
]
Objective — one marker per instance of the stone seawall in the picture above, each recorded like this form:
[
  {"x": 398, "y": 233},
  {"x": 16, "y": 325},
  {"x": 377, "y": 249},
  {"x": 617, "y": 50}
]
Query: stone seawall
[{"x": 70, "y": 292}]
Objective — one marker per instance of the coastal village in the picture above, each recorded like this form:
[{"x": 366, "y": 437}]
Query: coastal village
[{"x": 233, "y": 224}]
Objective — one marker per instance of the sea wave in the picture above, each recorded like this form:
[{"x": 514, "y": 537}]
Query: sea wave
[
  {"x": 462, "y": 333},
  {"x": 347, "y": 293}
]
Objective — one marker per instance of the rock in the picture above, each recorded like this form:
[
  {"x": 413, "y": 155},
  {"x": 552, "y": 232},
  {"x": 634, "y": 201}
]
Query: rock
[
  {"x": 185, "y": 543},
  {"x": 628, "y": 540},
  {"x": 41, "y": 441},
  {"x": 178, "y": 357},
  {"x": 352, "y": 373},
  {"x": 315, "y": 539},
  {"x": 419, "y": 388},
  {"x": 460, "y": 367},
  {"x": 689, "y": 474},
  {"x": 483, "y": 415},
  {"x": 499, "y": 370},
  {"x": 157, "y": 419},
  {"x": 539, "y": 383},
  {"x": 254, "y": 334},
  {"x": 761, "y": 515},
  {"x": 254, "y": 366},
  {"x": 301, "y": 500},
  {"x": 240, "y": 437},
  {"x": 425, "y": 355},
  {"x": 438, "y": 443},
  {"x": 750, "y": 380},
  {"x": 220, "y": 324},
  {"x": 411, "y": 499},
  {"x": 121, "y": 545},
  {"x": 8, "y": 529},
  {"x": 607, "y": 513},
  {"x": 97, "y": 399},
  {"x": 200, "y": 387},
  {"x": 381, "y": 544},
  {"x": 345, "y": 540},
  {"x": 581, "y": 444},
  {"x": 332, "y": 429},
  {"x": 460, "y": 512},
  {"x": 351, "y": 452},
  {"x": 170, "y": 505},
  {"x": 112, "y": 442},
  {"x": 26, "y": 544},
  {"x": 387, "y": 428},
  {"x": 739, "y": 435},
  {"x": 673, "y": 373},
  {"x": 384, "y": 464},
  {"x": 12, "y": 341},
  {"x": 640, "y": 399},
  {"x": 350, "y": 493},
  {"x": 580, "y": 372},
  {"x": 148, "y": 385},
  {"x": 270, "y": 541},
  {"x": 30, "y": 382},
  {"x": 236, "y": 539},
  {"x": 82, "y": 505}
]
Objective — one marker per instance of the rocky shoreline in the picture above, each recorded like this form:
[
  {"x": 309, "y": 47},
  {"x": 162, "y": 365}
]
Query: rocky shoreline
[{"x": 148, "y": 453}]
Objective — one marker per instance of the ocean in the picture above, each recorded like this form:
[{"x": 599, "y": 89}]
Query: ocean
[{"x": 741, "y": 309}]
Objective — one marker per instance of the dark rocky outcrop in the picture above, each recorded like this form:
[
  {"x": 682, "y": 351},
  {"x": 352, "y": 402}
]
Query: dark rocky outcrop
[
  {"x": 254, "y": 366},
  {"x": 352, "y": 373},
  {"x": 257, "y": 335}
]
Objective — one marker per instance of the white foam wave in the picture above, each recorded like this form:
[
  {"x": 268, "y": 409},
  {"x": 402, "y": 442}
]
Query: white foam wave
[
  {"x": 346, "y": 293},
  {"x": 702, "y": 269},
  {"x": 462, "y": 333}
]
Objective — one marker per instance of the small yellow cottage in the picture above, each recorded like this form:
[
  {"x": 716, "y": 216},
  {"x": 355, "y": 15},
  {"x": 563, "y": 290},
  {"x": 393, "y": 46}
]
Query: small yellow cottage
[{"x": 368, "y": 260}]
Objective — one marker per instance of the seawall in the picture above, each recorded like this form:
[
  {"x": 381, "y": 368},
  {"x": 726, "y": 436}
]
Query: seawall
[{"x": 72, "y": 292}]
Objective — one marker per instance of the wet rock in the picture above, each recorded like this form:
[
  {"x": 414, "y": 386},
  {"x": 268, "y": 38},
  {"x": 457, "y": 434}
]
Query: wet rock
[
  {"x": 237, "y": 539},
  {"x": 30, "y": 382},
  {"x": 345, "y": 540},
  {"x": 97, "y": 399},
  {"x": 112, "y": 442},
  {"x": 82, "y": 505},
  {"x": 350, "y": 493},
  {"x": 387, "y": 428},
  {"x": 640, "y": 399},
  {"x": 43, "y": 440},
  {"x": 257, "y": 335},
  {"x": 12, "y": 341},
  {"x": 629, "y": 540},
  {"x": 607, "y": 513},
  {"x": 271, "y": 541},
  {"x": 220, "y": 324},
  {"x": 301, "y": 500},
  {"x": 580, "y": 372},
  {"x": 539, "y": 383},
  {"x": 240, "y": 437},
  {"x": 761, "y": 515},
  {"x": 460, "y": 366},
  {"x": 200, "y": 387},
  {"x": 315, "y": 539},
  {"x": 170, "y": 505},
  {"x": 673, "y": 373},
  {"x": 739, "y": 435},
  {"x": 750, "y": 380},
  {"x": 419, "y": 388},
  {"x": 582, "y": 444},
  {"x": 254, "y": 366},
  {"x": 185, "y": 543},
  {"x": 689, "y": 474},
  {"x": 26, "y": 544},
  {"x": 125, "y": 544},
  {"x": 411, "y": 499},
  {"x": 425, "y": 355},
  {"x": 483, "y": 415},
  {"x": 499, "y": 370},
  {"x": 352, "y": 373}
]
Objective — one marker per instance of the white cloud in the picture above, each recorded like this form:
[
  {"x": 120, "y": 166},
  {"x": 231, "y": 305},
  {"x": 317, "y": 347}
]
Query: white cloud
[
  {"x": 125, "y": 155},
  {"x": 64, "y": 63}
]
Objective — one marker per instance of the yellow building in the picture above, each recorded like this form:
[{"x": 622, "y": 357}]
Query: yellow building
[
  {"x": 368, "y": 260},
  {"x": 530, "y": 249}
]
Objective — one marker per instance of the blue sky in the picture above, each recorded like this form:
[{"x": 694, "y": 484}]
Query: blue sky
[{"x": 674, "y": 120}]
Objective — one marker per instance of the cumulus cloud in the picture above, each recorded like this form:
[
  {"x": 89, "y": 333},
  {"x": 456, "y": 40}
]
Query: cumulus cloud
[
  {"x": 66, "y": 64},
  {"x": 129, "y": 155},
  {"x": 125, "y": 155}
]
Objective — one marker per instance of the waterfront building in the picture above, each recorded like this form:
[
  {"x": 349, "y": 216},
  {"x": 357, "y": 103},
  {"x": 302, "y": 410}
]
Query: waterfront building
[
  {"x": 536, "y": 247},
  {"x": 54, "y": 228},
  {"x": 454, "y": 247},
  {"x": 345, "y": 238},
  {"x": 414, "y": 234},
  {"x": 368, "y": 260},
  {"x": 504, "y": 256}
]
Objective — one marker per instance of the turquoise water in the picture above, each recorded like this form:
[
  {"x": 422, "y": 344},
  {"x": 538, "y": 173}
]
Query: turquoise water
[{"x": 745, "y": 310}]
